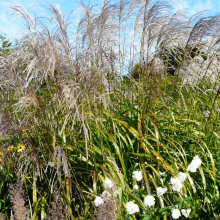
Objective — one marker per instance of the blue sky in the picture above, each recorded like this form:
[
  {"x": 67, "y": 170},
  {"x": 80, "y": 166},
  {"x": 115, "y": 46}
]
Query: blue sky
[{"x": 12, "y": 27}]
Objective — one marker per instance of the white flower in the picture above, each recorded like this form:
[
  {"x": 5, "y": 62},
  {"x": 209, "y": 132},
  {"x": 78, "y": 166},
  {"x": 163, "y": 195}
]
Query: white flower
[
  {"x": 108, "y": 183},
  {"x": 161, "y": 174},
  {"x": 206, "y": 113},
  {"x": 106, "y": 195},
  {"x": 195, "y": 163},
  {"x": 98, "y": 201},
  {"x": 186, "y": 212},
  {"x": 176, "y": 184},
  {"x": 135, "y": 186},
  {"x": 161, "y": 191},
  {"x": 191, "y": 168},
  {"x": 137, "y": 175},
  {"x": 149, "y": 200},
  {"x": 196, "y": 160},
  {"x": 132, "y": 208},
  {"x": 182, "y": 176},
  {"x": 173, "y": 180},
  {"x": 175, "y": 213}
]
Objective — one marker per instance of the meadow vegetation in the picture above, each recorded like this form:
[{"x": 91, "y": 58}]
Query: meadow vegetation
[{"x": 113, "y": 116}]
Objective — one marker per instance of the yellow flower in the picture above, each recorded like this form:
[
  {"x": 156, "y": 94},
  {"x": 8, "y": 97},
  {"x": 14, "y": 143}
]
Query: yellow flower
[
  {"x": 20, "y": 147},
  {"x": 10, "y": 148}
]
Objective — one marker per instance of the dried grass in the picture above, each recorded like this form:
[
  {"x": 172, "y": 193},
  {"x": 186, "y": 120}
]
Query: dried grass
[{"x": 20, "y": 210}]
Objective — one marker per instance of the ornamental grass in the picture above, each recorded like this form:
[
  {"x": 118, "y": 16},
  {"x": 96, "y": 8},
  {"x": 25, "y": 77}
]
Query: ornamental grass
[{"x": 115, "y": 115}]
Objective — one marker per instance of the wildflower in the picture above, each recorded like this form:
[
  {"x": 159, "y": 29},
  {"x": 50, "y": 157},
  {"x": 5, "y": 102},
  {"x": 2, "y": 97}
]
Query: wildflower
[
  {"x": 106, "y": 195},
  {"x": 182, "y": 176},
  {"x": 108, "y": 183},
  {"x": 161, "y": 191},
  {"x": 10, "y": 148},
  {"x": 176, "y": 184},
  {"x": 186, "y": 212},
  {"x": 135, "y": 186},
  {"x": 149, "y": 200},
  {"x": 132, "y": 208},
  {"x": 191, "y": 168},
  {"x": 196, "y": 162},
  {"x": 137, "y": 175},
  {"x": 98, "y": 201},
  {"x": 175, "y": 213},
  {"x": 161, "y": 174},
  {"x": 206, "y": 113},
  {"x": 20, "y": 148}
]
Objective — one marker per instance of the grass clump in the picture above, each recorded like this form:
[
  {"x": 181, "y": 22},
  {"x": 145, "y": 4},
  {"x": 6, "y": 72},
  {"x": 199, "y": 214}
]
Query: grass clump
[{"x": 135, "y": 88}]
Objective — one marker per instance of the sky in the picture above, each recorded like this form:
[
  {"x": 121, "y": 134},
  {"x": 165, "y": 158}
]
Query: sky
[{"x": 12, "y": 26}]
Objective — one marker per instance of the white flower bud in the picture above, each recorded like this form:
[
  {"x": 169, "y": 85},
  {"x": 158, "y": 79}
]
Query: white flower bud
[
  {"x": 196, "y": 160},
  {"x": 175, "y": 213},
  {"x": 206, "y": 113},
  {"x": 161, "y": 191},
  {"x": 176, "y": 184},
  {"x": 135, "y": 186},
  {"x": 149, "y": 200},
  {"x": 161, "y": 174},
  {"x": 191, "y": 168},
  {"x": 132, "y": 208},
  {"x": 186, "y": 212},
  {"x": 137, "y": 175},
  {"x": 196, "y": 163},
  {"x": 108, "y": 183},
  {"x": 98, "y": 201},
  {"x": 182, "y": 176}
]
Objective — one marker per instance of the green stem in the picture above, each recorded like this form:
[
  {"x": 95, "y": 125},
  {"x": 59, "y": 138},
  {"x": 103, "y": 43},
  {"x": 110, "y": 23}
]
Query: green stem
[
  {"x": 43, "y": 203},
  {"x": 145, "y": 177},
  {"x": 35, "y": 189},
  {"x": 35, "y": 215},
  {"x": 68, "y": 196}
]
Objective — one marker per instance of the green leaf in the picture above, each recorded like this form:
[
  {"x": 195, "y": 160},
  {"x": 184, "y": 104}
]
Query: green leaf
[
  {"x": 188, "y": 198},
  {"x": 180, "y": 205},
  {"x": 177, "y": 198},
  {"x": 146, "y": 217},
  {"x": 163, "y": 210}
]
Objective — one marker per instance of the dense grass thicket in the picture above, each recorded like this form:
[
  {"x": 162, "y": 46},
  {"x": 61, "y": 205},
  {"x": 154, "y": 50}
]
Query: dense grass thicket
[{"x": 113, "y": 116}]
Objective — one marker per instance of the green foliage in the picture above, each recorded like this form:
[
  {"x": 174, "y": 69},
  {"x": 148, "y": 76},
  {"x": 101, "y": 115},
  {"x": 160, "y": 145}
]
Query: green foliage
[
  {"x": 5, "y": 45},
  {"x": 161, "y": 130},
  {"x": 173, "y": 58},
  {"x": 70, "y": 123}
]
